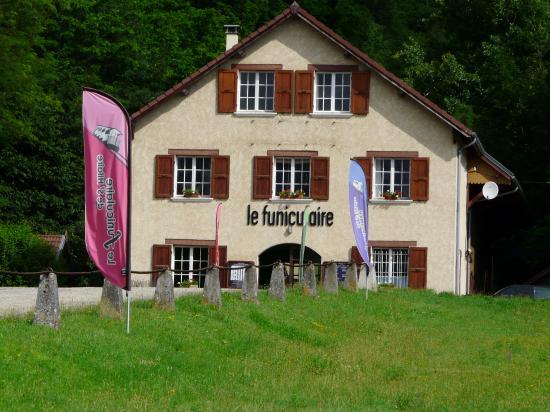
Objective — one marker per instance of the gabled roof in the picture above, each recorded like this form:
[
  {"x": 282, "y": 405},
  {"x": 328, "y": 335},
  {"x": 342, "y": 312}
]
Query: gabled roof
[{"x": 296, "y": 11}]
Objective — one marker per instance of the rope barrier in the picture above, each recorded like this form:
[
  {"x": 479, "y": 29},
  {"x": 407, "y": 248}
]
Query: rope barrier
[{"x": 154, "y": 271}]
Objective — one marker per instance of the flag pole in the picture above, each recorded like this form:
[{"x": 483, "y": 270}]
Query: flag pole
[
  {"x": 305, "y": 222},
  {"x": 129, "y": 228},
  {"x": 125, "y": 271}
]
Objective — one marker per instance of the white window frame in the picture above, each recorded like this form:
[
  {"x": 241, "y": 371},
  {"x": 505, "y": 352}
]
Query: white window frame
[
  {"x": 394, "y": 254},
  {"x": 193, "y": 176},
  {"x": 332, "y": 94},
  {"x": 274, "y": 193},
  {"x": 392, "y": 177},
  {"x": 256, "y": 92},
  {"x": 191, "y": 276}
]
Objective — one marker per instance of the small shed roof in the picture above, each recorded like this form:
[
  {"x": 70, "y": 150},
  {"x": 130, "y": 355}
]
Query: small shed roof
[{"x": 57, "y": 242}]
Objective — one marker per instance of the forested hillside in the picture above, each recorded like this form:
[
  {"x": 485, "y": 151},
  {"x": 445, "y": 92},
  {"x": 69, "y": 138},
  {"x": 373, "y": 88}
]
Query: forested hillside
[{"x": 487, "y": 62}]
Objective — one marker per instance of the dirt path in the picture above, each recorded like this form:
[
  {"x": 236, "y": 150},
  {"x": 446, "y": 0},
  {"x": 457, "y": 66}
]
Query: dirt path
[{"x": 19, "y": 301}]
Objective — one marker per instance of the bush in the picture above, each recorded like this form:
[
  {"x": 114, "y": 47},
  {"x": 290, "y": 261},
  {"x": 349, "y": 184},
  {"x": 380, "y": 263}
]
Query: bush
[
  {"x": 23, "y": 251},
  {"x": 78, "y": 259}
]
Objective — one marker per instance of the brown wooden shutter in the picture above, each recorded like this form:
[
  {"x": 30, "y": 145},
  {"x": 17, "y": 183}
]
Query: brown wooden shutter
[
  {"x": 418, "y": 263},
  {"x": 360, "y": 86},
  {"x": 224, "y": 273},
  {"x": 283, "y": 91},
  {"x": 227, "y": 91},
  {"x": 356, "y": 256},
  {"x": 162, "y": 255},
  {"x": 303, "y": 97},
  {"x": 420, "y": 173},
  {"x": 220, "y": 177},
  {"x": 261, "y": 180},
  {"x": 366, "y": 164},
  {"x": 320, "y": 171},
  {"x": 164, "y": 175}
]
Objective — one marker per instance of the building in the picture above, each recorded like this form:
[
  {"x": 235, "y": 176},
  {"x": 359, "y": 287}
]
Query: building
[{"x": 268, "y": 127}]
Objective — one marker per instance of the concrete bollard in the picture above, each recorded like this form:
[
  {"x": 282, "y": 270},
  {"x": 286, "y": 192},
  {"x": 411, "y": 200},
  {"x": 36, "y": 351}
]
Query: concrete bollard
[
  {"x": 277, "y": 282},
  {"x": 47, "y": 311},
  {"x": 164, "y": 292},
  {"x": 330, "y": 283},
  {"x": 250, "y": 285},
  {"x": 111, "y": 304},
  {"x": 350, "y": 283},
  {"x": 372, "y": 284},
  {"x": 310, "y": 281},
  {"x": 362, "y": 282},
  {"x": 212, "y": 294}
]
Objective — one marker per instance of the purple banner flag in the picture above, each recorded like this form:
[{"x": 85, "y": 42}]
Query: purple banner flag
[
  {"x": 358, "y": 195},
  {"x": 107, "y": 139}
]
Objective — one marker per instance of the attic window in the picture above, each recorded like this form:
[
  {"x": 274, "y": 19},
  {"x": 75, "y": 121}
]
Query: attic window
[
  {"x": 332, "y": 92},
  {"x": 256, "y": 91}
]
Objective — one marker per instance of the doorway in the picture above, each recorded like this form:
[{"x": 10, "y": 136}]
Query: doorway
[{"x": 288, "y": 253}]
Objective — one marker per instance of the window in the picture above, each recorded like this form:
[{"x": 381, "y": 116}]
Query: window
[
  {"x": 192, "y": 174},
  {"x": 256, "y": 91},
  {"x": 392, "y": 175},
  {"x": 291, "y": 175},
  {"x": 190, "y": 258},
  {"x": 391, "y": 266},
  {"x": 332, "y": 92}
]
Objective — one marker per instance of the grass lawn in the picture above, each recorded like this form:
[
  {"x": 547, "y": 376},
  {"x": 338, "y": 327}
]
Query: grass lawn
[{"x": 402, "y": 349}]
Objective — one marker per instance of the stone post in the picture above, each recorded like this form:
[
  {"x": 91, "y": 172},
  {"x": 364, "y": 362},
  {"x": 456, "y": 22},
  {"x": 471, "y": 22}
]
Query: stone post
[
  {"x": 372, "y": 284},
  {"x": 164, "y": 292},
  {"x": 47, "y": 311},
  {"x": 250, "y": 285},
  {"x": 112, "y": 304},
  {"x": 211, "y": 294},
  {"x": 362, "y": 282},
  {"x": 310, "y": 281},
  {"x": 350, "y": 283},
  {"x": 331, "y": 278},
  {"x": 277, "y": 282}
]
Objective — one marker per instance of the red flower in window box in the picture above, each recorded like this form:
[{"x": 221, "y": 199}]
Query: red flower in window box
[
  {"x": 191, "y": 193},
  {"x": 389, "y": 195},
  {"x": 285, "y": 194}
]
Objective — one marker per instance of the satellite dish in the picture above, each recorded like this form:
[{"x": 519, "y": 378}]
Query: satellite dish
[{"x": 490, "y": 190}]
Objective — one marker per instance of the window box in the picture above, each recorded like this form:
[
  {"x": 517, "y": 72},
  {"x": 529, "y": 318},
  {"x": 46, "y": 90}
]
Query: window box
[
  {"x": 191, "y": 193},
  {"x": 388, "y": 195}
]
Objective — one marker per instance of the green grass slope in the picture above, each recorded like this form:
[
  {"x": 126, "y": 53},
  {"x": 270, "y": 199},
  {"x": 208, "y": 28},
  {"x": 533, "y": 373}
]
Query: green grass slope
[{"x": 400, "y": 350}]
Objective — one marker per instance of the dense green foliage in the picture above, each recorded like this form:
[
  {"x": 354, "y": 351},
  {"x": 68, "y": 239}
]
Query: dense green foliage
[
  {"x": 401, "y": 350},
  {"x": 22, "y": 251},
  {"x": 485, "y": 61}
]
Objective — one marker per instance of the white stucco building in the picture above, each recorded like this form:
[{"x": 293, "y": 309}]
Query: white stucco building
[{"x": 268, "y": 127}]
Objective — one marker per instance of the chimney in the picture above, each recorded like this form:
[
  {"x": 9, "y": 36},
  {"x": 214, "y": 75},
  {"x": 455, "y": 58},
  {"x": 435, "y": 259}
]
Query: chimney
[{"x": 231, "y": 35}]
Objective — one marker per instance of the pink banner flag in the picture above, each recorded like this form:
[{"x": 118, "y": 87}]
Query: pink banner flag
[
  {"x": 107, "y": 139},
  {"x": 218, "y": 218}
]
